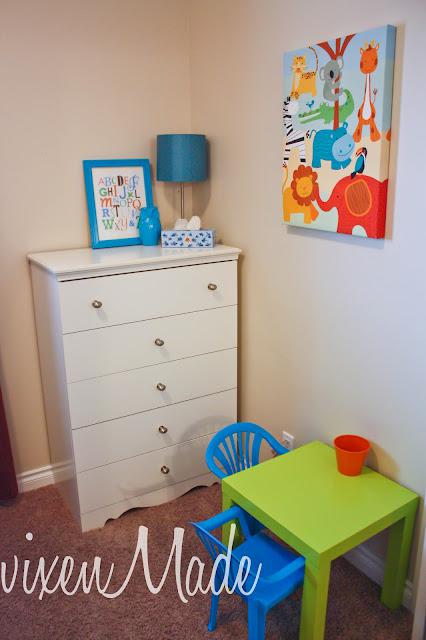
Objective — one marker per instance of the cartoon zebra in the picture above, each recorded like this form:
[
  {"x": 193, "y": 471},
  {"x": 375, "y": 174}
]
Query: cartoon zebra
[{"x": 293, "y": 138}]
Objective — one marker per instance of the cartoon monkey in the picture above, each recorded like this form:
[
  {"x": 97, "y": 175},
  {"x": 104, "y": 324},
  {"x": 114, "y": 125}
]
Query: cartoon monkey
[{"x": 331, "y": 74}]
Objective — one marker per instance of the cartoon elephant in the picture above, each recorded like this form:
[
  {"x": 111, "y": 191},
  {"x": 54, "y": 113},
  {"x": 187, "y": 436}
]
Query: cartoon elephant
[
  {"x": 360, "y": 202},
  {"x": 336, "y": 145}
]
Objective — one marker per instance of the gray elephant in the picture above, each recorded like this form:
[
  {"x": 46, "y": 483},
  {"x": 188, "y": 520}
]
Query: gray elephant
[{"x": 335, "y": 145}]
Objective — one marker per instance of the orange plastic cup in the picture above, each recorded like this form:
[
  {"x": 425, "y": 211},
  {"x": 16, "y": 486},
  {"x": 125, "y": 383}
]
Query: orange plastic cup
[{"x": 351, "y": 452}]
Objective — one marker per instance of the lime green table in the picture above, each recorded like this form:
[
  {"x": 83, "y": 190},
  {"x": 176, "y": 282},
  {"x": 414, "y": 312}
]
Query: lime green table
[{"x": 305, "y": 501}]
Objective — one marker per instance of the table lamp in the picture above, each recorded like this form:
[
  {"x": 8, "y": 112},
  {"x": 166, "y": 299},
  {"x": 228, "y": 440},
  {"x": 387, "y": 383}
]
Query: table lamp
[{"x": 181, "y": 157}]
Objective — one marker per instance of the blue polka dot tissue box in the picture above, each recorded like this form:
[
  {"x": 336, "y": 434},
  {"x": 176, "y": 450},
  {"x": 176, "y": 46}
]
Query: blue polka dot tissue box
[{"x": 187, "y": 238}]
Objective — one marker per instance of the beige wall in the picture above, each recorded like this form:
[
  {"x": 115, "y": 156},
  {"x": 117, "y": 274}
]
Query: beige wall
[
  {"x": 81, "y": 79},
  {"x": 332, "y": 327}
]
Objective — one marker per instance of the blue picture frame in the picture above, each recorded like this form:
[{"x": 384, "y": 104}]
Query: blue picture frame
[{"x": 118, "y": 197}]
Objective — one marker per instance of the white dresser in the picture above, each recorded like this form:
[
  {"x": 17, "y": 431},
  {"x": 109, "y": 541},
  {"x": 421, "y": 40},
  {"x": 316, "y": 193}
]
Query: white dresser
[{"x": 138, "y": 354}]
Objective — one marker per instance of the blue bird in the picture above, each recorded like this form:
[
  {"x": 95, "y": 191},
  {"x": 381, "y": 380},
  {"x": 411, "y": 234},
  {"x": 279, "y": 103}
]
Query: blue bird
[
  {"x": 310, "y": 104},
  {"x": 360, "y": 162}
]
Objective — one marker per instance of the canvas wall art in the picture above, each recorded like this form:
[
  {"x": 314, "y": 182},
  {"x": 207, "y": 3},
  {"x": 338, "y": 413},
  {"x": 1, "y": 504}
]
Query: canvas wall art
[{"x": 337, "y": 130}]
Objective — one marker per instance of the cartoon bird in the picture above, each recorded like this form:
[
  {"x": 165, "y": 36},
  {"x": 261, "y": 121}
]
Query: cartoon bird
[
  {"x": 360, "y": 162},
  {"x": 310, "y": 104}
]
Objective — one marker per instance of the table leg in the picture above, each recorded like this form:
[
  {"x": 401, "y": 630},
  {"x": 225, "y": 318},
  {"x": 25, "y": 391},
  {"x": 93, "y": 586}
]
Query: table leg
[
  {"x": 314, "y": 600},
  {"x": 398, "y": 554},
  {"x": 226, "y": 528}
]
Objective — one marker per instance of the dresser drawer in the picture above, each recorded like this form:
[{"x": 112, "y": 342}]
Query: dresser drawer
[
  {"x": 144, "y": 295},
  {"x": 139, "y": 475},
  {"x": 128, "y": 346},
  {"x": 114, "y": 440},
  {"x": 121, "y": 394}
]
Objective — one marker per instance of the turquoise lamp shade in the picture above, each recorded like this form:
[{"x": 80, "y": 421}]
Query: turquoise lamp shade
[{"x": 181, "y": 157}]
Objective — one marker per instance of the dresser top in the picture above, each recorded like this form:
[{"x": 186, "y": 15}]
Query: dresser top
[{"x": 78, "y": 263}]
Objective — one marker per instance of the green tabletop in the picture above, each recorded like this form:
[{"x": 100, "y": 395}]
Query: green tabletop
[{"x": 303, "y": 499}]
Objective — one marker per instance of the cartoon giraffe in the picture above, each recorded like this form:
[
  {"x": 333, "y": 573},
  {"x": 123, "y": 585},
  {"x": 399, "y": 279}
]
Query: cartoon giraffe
[{"x": 367, "y": 111}]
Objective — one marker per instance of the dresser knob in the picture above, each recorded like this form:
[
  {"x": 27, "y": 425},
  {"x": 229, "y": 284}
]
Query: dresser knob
[
  {"x": 97, "y": 304},
  {"x": 212, "y": 286},
  {"x": 165, "y": 469},
  {"x": 163, "y": 429},
  {"x": 159, "y": 342},
  {"x": 161, "y": 386}
]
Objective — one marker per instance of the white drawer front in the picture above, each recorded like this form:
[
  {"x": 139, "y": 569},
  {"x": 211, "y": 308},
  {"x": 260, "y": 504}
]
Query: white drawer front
[
  {"x": 126, "y": 437},
  {"x": 128, "y": 346},
  {"x": 149, "y": 294},
  {"x": 121, "y": 394},
  {"x": 141, "y": 474}
]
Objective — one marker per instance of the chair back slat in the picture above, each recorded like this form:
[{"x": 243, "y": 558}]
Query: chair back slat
[
  {"x": 224, "y": 460},
  {"x": 244, "y": 462},
  {"x": 255, "y": 450},
  {"x": 229, "y": 455},
  {"x": 235, "y": 454}
]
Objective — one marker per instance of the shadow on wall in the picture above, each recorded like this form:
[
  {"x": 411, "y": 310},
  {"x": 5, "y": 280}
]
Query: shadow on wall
[
  {"x": 364, "y": 243},
  {"x": 201, "y": 191},
  {"x": 396, "y": 116},
  {"x": 381, "y": 460}
]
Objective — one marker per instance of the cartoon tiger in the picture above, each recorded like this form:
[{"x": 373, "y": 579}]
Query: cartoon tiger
[{"x": 303, "y": 81}]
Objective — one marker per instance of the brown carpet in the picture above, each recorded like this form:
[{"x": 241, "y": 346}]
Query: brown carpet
[{"x": 354, "y": 611}]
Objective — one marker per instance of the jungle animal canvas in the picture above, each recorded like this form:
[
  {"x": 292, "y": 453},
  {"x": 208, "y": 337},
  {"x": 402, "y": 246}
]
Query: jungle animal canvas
[{"x": 337, "y": 130}]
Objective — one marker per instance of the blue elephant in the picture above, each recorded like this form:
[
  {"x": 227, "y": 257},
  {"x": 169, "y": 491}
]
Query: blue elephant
[
  {"x": 336, "y": 145},
  {"x": 149, "y": 226}
]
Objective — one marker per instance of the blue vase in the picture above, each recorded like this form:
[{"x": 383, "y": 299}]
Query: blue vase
[{"x": 149, "y": 226}]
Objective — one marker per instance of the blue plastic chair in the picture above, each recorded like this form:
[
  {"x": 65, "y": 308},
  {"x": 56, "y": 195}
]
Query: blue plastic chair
[
  {"x": 281, "y": 573},
  {"x": 237, "y": 447}
]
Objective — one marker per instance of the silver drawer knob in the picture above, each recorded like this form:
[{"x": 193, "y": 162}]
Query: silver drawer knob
[
  {"x": 163, "y": 429},
  {"x": 165, "y": 469},
  {"x": 159, "y": 342},
  {"x": 161, "y": 386},
  {"x": 97, "y": 304},
  {"x": 212, "y": 286}
]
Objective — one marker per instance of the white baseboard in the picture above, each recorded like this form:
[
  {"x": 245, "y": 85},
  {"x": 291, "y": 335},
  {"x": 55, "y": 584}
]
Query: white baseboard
[
  {"x": 373, "y": 567},
  {"x": 36, "y": 478}
]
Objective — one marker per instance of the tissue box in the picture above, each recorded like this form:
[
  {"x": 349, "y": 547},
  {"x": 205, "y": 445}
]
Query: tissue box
[{"x": 172, "y": 238}]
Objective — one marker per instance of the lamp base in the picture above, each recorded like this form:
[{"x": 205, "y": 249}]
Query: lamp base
[{"x": 182, "y": 201}]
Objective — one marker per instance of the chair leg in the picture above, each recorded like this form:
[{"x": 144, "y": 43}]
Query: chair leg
[
  {"x": 213, "y": 612},
  {"x": 254, "y": 525},
  {"x": 256, "y": 621}
]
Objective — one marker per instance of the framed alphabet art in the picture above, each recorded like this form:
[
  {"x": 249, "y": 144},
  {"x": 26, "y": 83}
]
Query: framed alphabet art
[{"x": 116, "y": 191}]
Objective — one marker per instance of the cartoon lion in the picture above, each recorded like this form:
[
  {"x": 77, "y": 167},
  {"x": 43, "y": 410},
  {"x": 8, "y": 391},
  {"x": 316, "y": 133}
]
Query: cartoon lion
[{"x": 297, "y": 198}]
